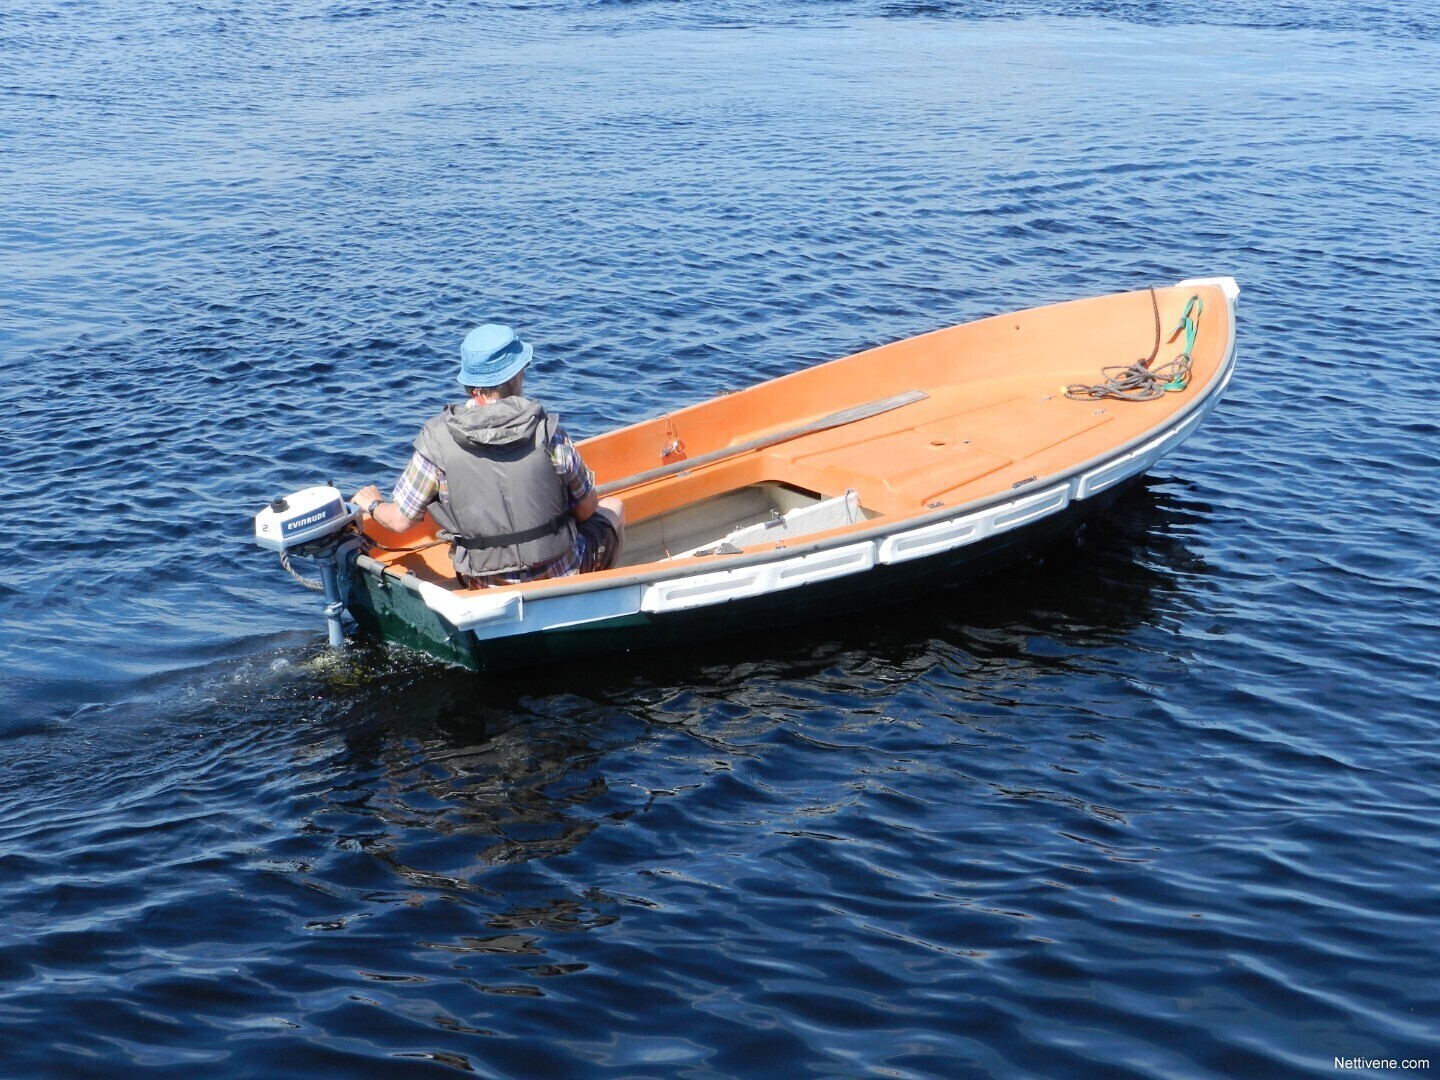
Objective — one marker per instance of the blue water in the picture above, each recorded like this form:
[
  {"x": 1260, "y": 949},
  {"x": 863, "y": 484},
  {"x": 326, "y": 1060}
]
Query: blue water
[{"x": 1162, "y": 803}]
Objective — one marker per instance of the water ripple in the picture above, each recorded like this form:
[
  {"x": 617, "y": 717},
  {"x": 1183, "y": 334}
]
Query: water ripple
[{"x": 1154, "y": 804}]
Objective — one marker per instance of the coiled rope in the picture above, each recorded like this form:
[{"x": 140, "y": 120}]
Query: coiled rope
[
  {"x": 309, "y": 583},
  {"x": 1142, "y": 380}
]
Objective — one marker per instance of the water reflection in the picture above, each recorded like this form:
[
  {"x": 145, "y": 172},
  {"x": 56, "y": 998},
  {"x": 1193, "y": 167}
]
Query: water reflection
[
  {"x": 469, "y": 773},
  {"x": 1124, "y": 573},
  {"x": 415, "y": 834}
]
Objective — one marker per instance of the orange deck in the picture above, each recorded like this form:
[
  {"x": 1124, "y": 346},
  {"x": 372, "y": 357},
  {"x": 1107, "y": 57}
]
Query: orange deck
[{"x": 995, "y": 416}]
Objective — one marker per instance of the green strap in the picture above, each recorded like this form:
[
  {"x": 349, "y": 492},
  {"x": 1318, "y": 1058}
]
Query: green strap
[{"x": 1189, "y": 323}]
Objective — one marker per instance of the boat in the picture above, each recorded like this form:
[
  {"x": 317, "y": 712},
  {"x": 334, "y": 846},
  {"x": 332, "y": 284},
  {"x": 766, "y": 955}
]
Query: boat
[{"x": 861, "y": 481}]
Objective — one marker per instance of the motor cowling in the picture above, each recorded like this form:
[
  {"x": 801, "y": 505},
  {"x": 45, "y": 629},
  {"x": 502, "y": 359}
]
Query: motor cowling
[
  {"x": 310, "y": 524},
  {"x": 304, "y": 517}
]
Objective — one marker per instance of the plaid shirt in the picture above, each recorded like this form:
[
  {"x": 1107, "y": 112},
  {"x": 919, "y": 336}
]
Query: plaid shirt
[{"x": 423, "y": 482}]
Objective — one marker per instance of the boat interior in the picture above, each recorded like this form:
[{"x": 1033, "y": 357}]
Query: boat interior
[
  {"x": 767, "y": 512},
  {"x": 938, "y": 420}
]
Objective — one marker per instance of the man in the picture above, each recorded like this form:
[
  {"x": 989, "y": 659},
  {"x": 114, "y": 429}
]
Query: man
[{"x": 502, "y": 478}]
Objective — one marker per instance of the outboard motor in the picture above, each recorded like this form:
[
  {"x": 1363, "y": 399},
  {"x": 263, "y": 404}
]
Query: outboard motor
[{"x": 311, "y": 523}]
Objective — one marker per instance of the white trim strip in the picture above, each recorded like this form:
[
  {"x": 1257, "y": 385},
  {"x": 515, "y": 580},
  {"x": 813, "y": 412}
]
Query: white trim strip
[
  {"x": 721, "y": 586},
  {"x": 932, "y": 539},
  {"x": 472, "y": 609},
  {"x": 1023, "y": 511},
  {"x": 1227, "y": 285},
  {"x": 948, "y": 535}
]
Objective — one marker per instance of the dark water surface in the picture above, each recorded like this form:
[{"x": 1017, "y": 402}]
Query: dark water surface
[{"x": 1162, "y": 804}]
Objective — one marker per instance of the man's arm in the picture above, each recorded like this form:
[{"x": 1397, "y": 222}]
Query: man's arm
[
  {"x": 386, "y": 513},
  {"x": 588, "y": 504},
  {"x": 417, "y": 487}
]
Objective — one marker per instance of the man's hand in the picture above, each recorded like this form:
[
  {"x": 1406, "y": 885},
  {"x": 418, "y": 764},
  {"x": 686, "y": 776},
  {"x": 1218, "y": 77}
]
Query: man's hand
[
  {"x": 387, "y": 513},
  {"x": 367, "y": 495}
]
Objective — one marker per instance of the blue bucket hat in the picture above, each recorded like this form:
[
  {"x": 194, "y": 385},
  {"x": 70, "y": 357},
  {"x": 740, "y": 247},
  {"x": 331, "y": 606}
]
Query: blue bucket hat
[{"x": 491, "y": 355}]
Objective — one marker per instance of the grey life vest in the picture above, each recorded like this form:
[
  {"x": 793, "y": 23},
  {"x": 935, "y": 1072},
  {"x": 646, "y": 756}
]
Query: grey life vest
[{"x": 506, "y": 507}]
